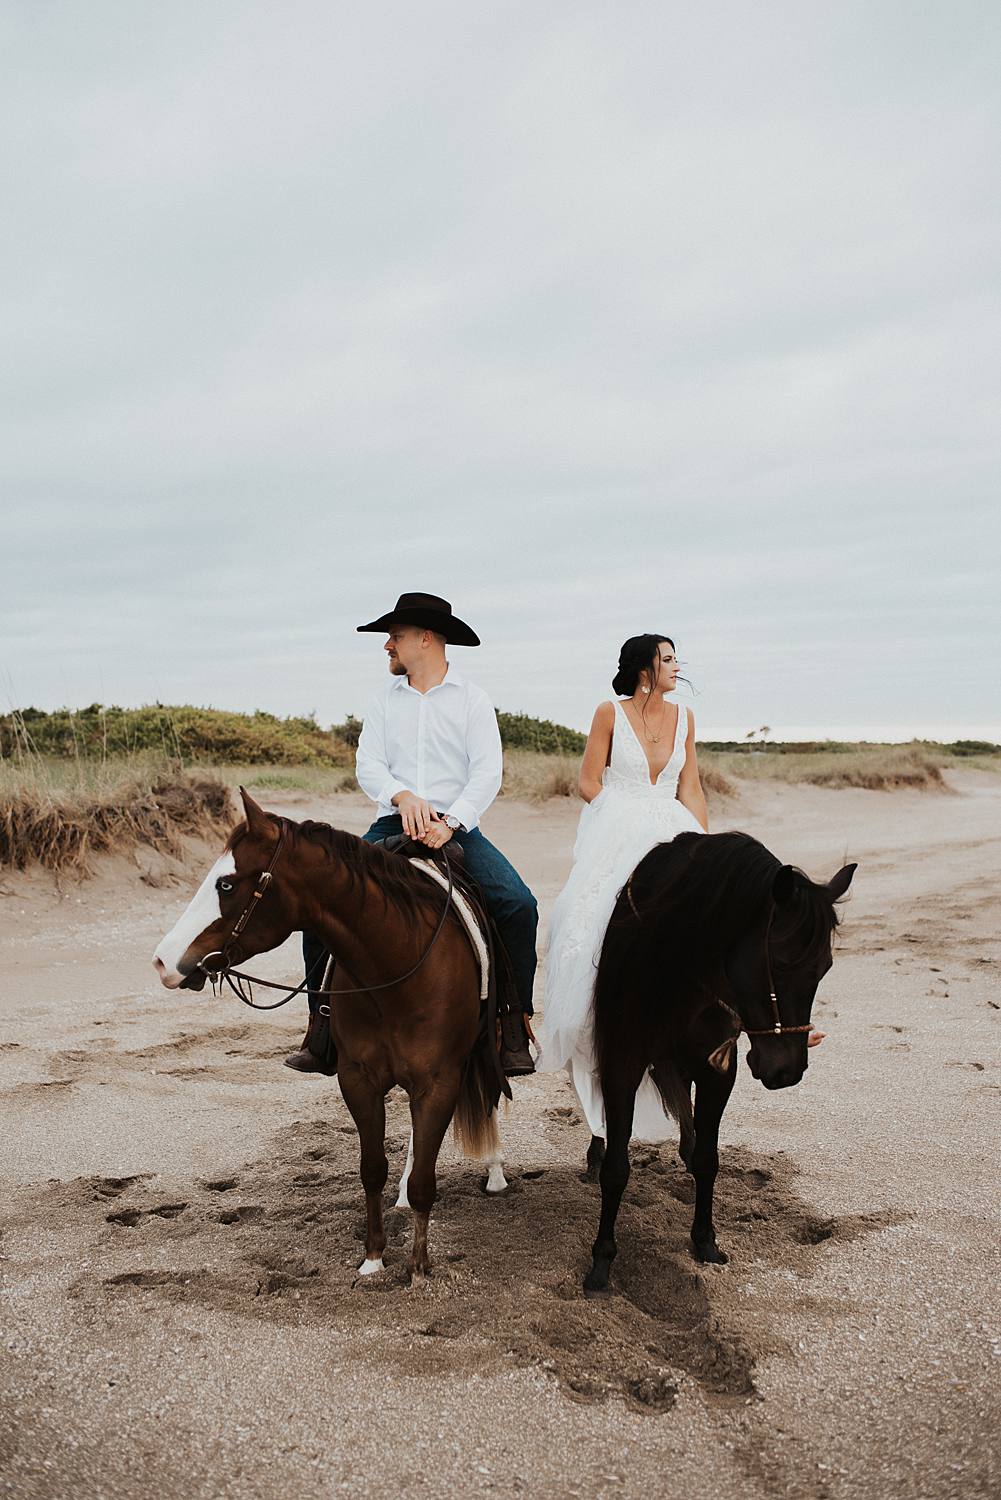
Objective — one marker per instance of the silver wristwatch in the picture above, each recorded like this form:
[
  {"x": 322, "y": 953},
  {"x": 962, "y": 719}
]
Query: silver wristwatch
[{"x": 451, "y": 821}]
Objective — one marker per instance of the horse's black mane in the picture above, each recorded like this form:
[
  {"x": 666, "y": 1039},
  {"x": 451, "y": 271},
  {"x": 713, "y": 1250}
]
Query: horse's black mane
[
  {"x": 411, "y": 892},
  {"x": 702, "y": 894}
]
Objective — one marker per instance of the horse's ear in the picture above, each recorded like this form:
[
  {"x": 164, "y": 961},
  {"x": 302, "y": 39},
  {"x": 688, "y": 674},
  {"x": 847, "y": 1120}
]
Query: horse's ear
[
  {"x": 842, "y": 880},
  {"x": 258, "y": 820},
  {"x": 784, "y": 884}
]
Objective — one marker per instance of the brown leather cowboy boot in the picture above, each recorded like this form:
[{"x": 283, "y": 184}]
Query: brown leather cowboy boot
[
  {"x": 516, "y": 1060},
  {"x": 318, "y": 1053}
]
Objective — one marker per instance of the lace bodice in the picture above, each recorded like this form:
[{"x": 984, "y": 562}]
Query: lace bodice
[{"x": 629, "y": 769}]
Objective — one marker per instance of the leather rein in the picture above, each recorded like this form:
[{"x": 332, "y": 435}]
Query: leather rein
[
  {"x": 720, "y": 1058},
  {"x": 240, "y": 982}
]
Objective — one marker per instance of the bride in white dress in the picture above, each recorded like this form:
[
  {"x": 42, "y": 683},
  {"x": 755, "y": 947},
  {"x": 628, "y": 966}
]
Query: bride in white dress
[{"x": 640, "y": 780}]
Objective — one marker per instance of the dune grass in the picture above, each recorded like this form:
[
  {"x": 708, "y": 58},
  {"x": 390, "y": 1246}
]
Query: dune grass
[
  {"x": 531, "y": 777},
  {"x": 58, "y": 809},
  {"x": 314, "y": 781},
  {"x": 873, "y": 767},
  {"x": 60, "y": 821}
]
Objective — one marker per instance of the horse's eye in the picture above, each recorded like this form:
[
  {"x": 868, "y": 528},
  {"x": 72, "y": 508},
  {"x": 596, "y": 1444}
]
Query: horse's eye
[{"x": 223, "y": 885}]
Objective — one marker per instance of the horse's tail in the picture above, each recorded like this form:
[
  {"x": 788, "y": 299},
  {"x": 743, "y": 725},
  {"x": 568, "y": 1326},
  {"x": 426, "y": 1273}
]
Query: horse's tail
[
  {"x": 474, "y": 1123},
  {"x": 675, "y": 1093}
]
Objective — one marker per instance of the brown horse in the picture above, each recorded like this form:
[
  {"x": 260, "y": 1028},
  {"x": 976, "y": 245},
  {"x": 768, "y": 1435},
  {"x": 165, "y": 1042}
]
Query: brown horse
[{"x": 419, "y": 1023}]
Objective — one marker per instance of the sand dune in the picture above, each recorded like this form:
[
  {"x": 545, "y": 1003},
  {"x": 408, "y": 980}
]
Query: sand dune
[{"x": 182, "y": 1221}]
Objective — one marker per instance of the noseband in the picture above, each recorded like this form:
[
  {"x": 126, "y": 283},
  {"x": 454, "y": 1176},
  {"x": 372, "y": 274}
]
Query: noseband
[
  {"x": 720, "y": 1058},
  {"x": 239, "y": 982}
]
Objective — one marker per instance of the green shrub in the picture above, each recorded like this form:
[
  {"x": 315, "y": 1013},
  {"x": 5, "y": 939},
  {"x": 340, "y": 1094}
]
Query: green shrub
[
  {"x": 522, "y": 732},
  {"x": 196, "y": 736},
  {"x": 201, "y": 736},
  {"x": 972, "y": 747}
]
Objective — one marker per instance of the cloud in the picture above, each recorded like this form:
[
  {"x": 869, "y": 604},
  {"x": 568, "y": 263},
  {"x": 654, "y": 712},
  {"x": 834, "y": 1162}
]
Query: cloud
[{"x": 689, "y": 323}]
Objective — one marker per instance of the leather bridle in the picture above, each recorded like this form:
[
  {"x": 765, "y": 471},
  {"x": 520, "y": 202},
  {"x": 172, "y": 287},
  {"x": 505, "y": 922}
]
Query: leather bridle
[
  {"x": 720, "y": 1058},
  {"x": 240, "y": 982}
]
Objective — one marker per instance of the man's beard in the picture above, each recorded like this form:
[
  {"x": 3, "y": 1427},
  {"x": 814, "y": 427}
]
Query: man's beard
[{"x": 396, "y": 667}]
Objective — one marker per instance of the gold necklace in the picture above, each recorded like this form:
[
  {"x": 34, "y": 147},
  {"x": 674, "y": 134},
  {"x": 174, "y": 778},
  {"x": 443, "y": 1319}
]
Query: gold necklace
[{"x": 653, "y": 739}]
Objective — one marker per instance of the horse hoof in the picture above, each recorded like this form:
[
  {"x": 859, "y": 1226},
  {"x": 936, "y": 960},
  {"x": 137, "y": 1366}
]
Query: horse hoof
[
  {"x": 711, "y": 1255},
  {"x": 596, "y": 1284},
  {"x": 402, "y": 1201},
  {"x": 597, "y": 1293},
  {"x": 371, "y": 1267},
  {"x": 495, "y": 1184}
]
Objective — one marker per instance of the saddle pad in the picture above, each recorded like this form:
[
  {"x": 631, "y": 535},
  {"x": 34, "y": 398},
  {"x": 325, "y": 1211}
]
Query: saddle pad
[{"x": 469, "y": 921}]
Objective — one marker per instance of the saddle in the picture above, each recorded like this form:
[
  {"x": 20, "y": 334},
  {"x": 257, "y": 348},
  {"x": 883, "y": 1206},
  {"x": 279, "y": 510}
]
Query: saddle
[
  {"x": 501, "y": 1013},
  {"x": 451, "y": 870}
]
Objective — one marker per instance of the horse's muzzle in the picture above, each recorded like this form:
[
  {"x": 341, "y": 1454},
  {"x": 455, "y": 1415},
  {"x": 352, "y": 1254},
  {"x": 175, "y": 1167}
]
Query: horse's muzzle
[
  {"x": 784, "y": 1075},
  {"x": 787, "y": 1079}
]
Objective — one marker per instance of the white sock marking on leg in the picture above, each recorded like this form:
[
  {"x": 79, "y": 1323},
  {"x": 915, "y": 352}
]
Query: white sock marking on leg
[
  {"x": 496, "y": 1181},
  {"x": 403, "y": 1201}
]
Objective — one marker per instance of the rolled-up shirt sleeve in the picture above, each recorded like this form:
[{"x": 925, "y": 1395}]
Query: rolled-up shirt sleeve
[
  {"x": 372, "y": 760},
  {"x": 486, "y": 763}
]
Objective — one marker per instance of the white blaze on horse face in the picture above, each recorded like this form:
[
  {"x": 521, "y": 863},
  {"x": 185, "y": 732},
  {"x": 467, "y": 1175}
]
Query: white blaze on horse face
[{"x": 202, "y": 910}]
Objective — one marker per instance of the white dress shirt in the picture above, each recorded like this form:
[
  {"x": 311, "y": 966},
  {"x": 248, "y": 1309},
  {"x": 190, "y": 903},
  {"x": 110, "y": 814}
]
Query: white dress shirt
[{"x": 443, "y": 745}]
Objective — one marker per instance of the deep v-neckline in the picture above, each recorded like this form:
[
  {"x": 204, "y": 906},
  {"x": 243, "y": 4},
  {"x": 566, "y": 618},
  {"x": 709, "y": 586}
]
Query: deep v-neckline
[{"x": 654, "y": 781}]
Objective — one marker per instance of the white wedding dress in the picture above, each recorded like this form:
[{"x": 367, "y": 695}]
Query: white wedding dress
[{"x": 629, "y": 816}]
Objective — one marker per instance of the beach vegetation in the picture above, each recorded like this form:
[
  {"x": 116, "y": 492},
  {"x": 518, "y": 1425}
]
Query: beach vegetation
[{"x": 61, "y": 822}]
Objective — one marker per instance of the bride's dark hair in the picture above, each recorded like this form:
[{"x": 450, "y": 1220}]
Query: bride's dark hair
[{"x": 639, "y": 654}]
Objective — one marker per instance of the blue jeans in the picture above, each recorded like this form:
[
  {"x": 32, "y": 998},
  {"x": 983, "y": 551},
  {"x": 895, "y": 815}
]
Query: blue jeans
[{"x": 507, "y": 898}]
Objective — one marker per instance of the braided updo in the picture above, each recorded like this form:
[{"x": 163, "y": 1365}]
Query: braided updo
[{"x": 640, "y": 653}]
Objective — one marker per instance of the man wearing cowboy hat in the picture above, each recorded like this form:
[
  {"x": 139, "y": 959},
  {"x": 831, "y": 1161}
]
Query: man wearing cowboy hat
[{"x": 430, "y": 757}]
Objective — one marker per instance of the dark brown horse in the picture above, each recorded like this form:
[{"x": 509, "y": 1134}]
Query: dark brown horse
[
  {"x": 377, "y": 915},
  {"x": 711, "y": 936}
]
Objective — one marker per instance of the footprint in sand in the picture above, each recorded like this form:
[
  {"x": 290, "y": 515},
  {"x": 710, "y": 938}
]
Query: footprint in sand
[
  {"x": 245, "y": 1214},
  {"x": 111, "y": 1187},
  {"x": 147, "y": 1280},
  {"x": 563, "y": 1114},
  {"x": 816, "y": 1231},
  {"x": 130, "y": 1217}
]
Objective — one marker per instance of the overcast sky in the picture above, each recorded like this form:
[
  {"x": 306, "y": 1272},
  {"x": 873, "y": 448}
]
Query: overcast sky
[{"x": 594, "y": 318}]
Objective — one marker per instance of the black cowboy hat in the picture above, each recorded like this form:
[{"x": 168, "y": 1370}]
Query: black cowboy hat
[{"x": 431, "y": 612}]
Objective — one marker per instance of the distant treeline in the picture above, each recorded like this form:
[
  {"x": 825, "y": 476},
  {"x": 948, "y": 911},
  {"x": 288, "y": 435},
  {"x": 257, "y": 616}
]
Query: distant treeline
[
  {"x": 960, "y": 748},
  {"x": 207, "y": 736}
]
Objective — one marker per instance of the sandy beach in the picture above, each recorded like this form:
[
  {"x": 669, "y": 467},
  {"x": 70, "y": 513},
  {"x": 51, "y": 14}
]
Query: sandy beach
[{"x": 182, "y": 1219}]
